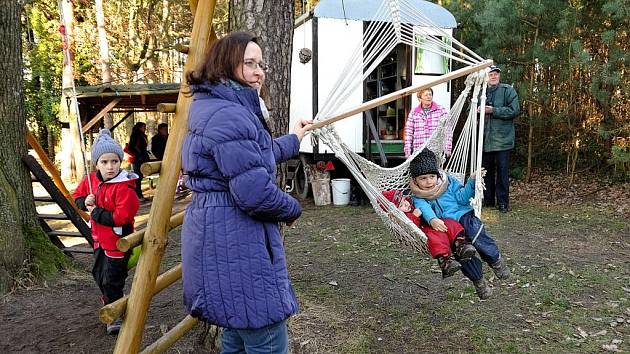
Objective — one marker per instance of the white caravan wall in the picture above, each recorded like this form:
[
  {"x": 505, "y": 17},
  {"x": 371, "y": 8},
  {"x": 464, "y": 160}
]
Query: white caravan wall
[
  {"x": 301, "y": 81},
  {"x": 337, "y": 43}
]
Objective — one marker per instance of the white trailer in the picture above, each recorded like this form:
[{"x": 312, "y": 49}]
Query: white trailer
[{"x": 332, "y": 32}]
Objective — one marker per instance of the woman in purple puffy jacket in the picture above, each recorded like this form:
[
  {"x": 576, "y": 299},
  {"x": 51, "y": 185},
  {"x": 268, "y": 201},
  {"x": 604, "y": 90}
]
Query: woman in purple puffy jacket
[{"x": 234, "y": 267}]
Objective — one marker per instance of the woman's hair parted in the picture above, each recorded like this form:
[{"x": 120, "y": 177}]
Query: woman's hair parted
[{"x": 221, "y": 59}]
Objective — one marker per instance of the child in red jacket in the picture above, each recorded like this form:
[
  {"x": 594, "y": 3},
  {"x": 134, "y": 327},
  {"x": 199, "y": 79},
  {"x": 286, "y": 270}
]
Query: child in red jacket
[{"x": 109, "y": 196}]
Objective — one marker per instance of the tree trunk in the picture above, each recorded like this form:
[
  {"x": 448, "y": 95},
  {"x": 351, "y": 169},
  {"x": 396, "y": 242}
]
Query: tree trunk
[
  {"x": 103, "y": 45},
  {"x": 272, "y": 22},
  {"x": 72, "y": 163},
  {"x": 17, "y": 210}
]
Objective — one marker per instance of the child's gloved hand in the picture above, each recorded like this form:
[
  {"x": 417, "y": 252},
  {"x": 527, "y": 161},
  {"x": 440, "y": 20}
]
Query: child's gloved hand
[
  {"x": 90, "y": 201},
  {"x": 438, "y": 225}
]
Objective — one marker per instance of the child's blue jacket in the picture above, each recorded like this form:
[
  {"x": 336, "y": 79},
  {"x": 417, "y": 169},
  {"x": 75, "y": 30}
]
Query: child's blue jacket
[{"x": 452, "y": 204}]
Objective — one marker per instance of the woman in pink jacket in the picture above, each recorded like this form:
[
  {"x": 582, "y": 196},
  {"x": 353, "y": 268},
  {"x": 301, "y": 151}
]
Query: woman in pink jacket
[{"x": 422, "y": 121}]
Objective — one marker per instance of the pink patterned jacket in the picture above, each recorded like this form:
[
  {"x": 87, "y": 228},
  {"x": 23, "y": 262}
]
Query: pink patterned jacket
[{"x": 420, "y": 126}]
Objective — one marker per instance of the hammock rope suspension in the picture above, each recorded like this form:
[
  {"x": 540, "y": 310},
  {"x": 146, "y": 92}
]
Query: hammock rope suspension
[{"x": 398, "y": 22}]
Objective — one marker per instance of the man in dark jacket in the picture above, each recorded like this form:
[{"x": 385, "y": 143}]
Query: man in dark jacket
[
  {"x": 501, "y": 109},
  {"x": 158, "y": 142}
]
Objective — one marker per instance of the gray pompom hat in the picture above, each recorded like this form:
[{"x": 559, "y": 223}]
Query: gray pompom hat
[
  {"x": 425, "y": 163},
  {"x": 104, "y": 144}
]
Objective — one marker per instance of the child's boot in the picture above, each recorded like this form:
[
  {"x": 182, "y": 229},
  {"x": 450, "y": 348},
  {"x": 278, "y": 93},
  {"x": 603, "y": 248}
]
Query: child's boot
[
  {"x": 482, "y": 289},
  {"x": 114, "y": 327},
  {"x": 500, "y": 269},
  {"x": 463, "y": 249},
  {"x": 449, "y": 266}
]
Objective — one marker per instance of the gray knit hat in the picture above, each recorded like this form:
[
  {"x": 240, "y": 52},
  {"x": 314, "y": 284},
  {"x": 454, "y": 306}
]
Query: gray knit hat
[
  {"x": 104, "y": 144},
  {"x": 425, "y": 163}
]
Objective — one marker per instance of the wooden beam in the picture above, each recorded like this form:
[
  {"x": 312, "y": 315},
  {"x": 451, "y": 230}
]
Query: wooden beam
[
  {"x": 100, "y": 114},
  {"x": 172, "y": 336},
  {"x": 402, "y": 93},
  {"x": 156, "y": 235},
  {"x": 182, "y": 48},
  {"x": 166, "y": 107},
  {"x": 130, "y": 241},
  {"x": 143, "y": 99},
  {"x": 122, "y": 120},
  {"x": 149, "y": 168},
  {"x": 54, "y": 174},
  {"x": 116, "y": 309}
]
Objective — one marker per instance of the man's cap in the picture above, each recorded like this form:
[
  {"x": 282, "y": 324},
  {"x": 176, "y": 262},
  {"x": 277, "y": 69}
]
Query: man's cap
[{"x": 494, "y": 68}]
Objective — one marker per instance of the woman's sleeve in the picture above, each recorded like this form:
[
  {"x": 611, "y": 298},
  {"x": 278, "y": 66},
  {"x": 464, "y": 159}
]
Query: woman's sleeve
[
  {"x": 234, "y": 146},
  {"x": 407, "y": 148},
  {"x": 285, "y": 147}
]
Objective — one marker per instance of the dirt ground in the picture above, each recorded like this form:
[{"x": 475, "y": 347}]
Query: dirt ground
[{"x": 361, "y": 292}]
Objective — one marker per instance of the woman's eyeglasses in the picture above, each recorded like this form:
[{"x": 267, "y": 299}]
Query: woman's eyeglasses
[{"x": 252, "y": 64}]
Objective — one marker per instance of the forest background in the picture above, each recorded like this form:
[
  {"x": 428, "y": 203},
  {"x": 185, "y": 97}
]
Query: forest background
[{"x": 568, "y": 61}]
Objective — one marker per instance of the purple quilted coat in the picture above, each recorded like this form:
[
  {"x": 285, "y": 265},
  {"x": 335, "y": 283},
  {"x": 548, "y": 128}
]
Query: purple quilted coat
[{"x": 234, "y": 266}]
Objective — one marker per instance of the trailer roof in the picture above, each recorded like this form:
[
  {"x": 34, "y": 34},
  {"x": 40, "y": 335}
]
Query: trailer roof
[{"x": 363, "y": 10}]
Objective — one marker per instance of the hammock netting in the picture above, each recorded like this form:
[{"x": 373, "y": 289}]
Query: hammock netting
[{"x": 396, "y": 22}]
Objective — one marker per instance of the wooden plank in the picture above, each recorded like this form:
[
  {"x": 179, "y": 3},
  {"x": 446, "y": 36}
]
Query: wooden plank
[
  {"x": 172, "y": 336},
  {"x": 53, "y": 238},
  {"x": 166, "y": 107},
  {"x": 65, "y": 233},
  {"x": 100, "y": 114},
  {"x": 43, "y": 198},
  {"x": 53, "y": 216},
  {"x": 58, "y": 197},
  {"x": 156, "y": 235},
  {"x": 52, "y": 171},
  {"x": 402, "y": 93},
  {"x": 78, "y": 250},
  {"x": 150, "y": 168}
]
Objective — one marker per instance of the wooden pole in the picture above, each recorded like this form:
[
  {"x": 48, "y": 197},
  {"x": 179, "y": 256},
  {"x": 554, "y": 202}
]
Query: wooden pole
[
  {"x": 402, "y": 93},
  {"x": 149, "y": 168},
  {"x": 52, "y": 171},
  {"x": 172, "y": 336},
  {"x": 130, "y": 241},
  {"x": 110, "y": 312},
  {"x": 166, "y": 107},
  {"x": 155, "y": 236}
]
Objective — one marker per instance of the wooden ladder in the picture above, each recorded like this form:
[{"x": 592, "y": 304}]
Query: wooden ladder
[{"x": 69, "y": 211}]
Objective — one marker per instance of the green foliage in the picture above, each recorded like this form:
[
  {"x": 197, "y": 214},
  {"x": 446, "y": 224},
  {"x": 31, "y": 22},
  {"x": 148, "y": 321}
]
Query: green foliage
[
  {"x": 43, "y": 59},
  {"x": 569, "y": 68},
  {"x": 44, "y": 259}
]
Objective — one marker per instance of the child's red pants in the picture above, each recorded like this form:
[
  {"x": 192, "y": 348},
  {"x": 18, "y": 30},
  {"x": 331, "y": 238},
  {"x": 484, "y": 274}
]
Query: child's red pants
[{"x": 439, "y": 243}]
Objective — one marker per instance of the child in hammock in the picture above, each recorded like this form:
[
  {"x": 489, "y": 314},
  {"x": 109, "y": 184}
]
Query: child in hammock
[
  {"x": 440, "y": 196},
  {"x": 440, "y": 243},
  {"x": 112, "y": 203}
]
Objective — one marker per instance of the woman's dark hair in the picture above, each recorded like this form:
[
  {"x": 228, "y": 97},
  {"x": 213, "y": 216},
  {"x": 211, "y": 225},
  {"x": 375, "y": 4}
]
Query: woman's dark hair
[
  {"x": 221, "y": 59},
  {"x": 137, "y": 126}
]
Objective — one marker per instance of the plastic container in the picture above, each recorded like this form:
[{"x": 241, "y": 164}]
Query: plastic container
[{"x": 340, "y": 191}]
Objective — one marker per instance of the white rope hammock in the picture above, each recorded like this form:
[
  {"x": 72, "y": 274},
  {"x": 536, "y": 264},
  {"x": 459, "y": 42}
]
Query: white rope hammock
[{"x": 397, "y": 21}]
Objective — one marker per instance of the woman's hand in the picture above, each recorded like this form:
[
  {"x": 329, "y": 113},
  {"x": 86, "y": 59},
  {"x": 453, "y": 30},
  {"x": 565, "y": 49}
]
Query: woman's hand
[{"x": 301, "y": 127}]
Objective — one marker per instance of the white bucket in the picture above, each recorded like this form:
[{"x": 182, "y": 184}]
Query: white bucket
[{"x": 340, "y": 191}]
